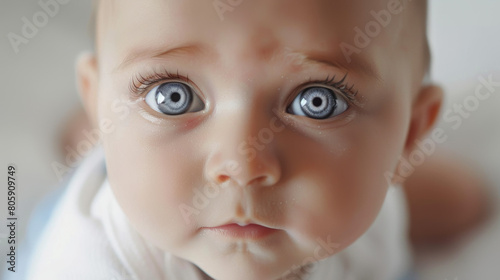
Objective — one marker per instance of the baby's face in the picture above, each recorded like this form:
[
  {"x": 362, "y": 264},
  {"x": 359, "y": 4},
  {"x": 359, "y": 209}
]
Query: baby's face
[{"x": 255, "y": 120}]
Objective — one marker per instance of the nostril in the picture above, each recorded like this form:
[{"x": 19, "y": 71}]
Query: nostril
[
  {"x": 223, "y": 178},
  {"x": 261, "y": 181},
  {"x": 266, "y": 181}
]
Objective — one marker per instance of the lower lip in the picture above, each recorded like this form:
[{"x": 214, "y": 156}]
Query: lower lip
[{"x": 251, "y": 231}]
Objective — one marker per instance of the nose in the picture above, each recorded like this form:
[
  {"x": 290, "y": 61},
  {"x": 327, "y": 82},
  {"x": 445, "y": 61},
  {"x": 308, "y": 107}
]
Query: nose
[{"x": 243, "y": 149}]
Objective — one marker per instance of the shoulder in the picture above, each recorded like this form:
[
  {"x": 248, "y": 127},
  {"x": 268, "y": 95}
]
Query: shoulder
[
  {"x": 79, "y": 252},
  {"x": 73, "y": 244}
]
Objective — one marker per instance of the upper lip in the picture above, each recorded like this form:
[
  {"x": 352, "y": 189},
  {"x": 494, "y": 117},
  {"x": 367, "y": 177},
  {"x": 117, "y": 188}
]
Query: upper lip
[{"x": 242, "y": 222}]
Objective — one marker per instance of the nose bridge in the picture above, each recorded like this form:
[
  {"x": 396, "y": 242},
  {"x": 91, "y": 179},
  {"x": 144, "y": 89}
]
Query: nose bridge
[
  {"x": 242, "y": 145},
  {"x": 242, "y": 142}
]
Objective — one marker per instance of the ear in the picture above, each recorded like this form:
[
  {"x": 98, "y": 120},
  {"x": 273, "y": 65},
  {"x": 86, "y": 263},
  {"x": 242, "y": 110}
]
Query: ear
[
  {"x": 88, "y": 84},
  {"x": 425, "y": 111}
]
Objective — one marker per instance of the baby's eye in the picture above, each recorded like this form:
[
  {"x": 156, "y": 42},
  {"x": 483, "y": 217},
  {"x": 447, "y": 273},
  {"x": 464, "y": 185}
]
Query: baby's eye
[
  {"x": 174, "y": 99},
  {"x": 318, "y": 103}
]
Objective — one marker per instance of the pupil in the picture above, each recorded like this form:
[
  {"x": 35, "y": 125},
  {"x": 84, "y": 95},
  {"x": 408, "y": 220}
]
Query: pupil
[
  {"x": 317, "y": 101},
  {"x": 175, "y": 97}
]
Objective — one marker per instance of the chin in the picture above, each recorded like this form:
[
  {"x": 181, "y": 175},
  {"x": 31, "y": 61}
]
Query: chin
[
  {"x": 243, "y": 274},
  {"x": 246, "y": 270}
]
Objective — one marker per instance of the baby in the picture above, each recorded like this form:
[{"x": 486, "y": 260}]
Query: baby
[{"x": 245, "y": 140}]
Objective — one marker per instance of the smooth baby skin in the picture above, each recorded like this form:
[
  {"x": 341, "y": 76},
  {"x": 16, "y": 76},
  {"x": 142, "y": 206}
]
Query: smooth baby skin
[{"x": 303, "y": 179}]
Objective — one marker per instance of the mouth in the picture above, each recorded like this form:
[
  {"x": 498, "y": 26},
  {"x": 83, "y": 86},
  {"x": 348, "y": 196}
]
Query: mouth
[{"x": 241, "y": 231}]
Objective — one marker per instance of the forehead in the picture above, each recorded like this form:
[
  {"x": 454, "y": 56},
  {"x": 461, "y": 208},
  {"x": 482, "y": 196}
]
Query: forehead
[{"x": 247, "y": 27}]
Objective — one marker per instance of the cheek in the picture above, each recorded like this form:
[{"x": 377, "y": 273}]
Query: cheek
[
  {"x": 340, "y": 184},
  {"x": 151, "y": 177}
]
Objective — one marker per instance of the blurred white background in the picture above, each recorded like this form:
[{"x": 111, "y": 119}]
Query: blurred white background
[{"x": 38, "y": 93}]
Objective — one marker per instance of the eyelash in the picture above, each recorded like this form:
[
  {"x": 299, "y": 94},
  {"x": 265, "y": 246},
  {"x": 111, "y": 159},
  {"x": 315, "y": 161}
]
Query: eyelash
[
  {"x": 140, "y": 83},
  {"x": 349, "y": 91}
]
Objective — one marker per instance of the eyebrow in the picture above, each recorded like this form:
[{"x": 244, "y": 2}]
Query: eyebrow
[
  {"x": 357, "y": 64},
  {"x": 140, "y": 54}
]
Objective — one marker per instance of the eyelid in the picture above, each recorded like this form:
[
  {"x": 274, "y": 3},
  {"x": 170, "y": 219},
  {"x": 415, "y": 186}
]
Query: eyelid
[
  {"x": 141, "y": 84},
  {"x": 341, "y": 87}
]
